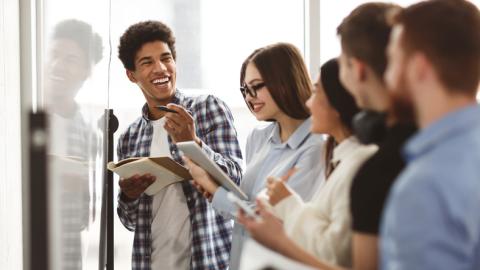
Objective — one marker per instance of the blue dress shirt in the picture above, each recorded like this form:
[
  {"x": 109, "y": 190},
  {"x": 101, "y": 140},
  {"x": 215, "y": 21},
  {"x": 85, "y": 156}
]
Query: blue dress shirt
[
  {"x": 267, "y": 156},
  {"x": 432, "y": 219}
]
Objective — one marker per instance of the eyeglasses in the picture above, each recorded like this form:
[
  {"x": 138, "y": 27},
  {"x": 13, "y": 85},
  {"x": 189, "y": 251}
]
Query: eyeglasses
[{"x": 252, "y": 90}]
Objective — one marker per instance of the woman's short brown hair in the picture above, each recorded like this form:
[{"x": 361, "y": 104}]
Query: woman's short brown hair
[{"x": 285, "y": 75}]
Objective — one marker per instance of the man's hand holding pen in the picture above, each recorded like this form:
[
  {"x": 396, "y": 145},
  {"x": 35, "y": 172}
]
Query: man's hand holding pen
[{"x": 180, "y": 125}]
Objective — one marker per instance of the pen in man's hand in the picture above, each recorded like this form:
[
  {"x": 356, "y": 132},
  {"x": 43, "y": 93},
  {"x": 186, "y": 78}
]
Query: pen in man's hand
[{"x": 165, "y": 109}]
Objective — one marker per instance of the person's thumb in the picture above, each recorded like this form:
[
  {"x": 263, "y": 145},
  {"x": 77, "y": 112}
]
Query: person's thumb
[{"x": 289, "y": 173}]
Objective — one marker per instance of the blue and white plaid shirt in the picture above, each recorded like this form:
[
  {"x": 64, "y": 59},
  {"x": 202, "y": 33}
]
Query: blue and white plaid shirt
[{"x": 211, "y": 233}]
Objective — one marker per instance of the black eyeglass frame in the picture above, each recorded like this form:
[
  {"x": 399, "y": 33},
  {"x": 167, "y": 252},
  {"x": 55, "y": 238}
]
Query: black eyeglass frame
[{"x": 252, "y": 90}]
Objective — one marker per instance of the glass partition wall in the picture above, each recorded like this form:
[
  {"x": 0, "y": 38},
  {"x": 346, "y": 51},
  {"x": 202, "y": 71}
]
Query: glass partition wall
[
  {"x": 74, "y": 62},
  {"x": 69, "y": 43}
]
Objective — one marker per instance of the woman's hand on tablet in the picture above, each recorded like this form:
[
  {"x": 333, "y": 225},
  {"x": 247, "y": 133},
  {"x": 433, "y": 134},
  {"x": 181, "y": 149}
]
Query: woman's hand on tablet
[{"x": 201, "y": 179}]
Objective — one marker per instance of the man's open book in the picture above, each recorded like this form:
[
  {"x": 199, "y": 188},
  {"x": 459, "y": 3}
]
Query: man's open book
[{"x": 165, "y": 169}]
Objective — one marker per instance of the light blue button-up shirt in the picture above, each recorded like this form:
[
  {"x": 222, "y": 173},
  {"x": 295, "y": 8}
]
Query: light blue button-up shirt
[
  {"x": 267, "y": 156},
  {"x": 432, "y": 219}
]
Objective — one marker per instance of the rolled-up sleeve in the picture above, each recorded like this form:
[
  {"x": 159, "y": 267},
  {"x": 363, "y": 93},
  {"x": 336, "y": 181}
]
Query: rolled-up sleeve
[
  {"x": 219, "y": 137},
  {"x": 127, "y": 212}
]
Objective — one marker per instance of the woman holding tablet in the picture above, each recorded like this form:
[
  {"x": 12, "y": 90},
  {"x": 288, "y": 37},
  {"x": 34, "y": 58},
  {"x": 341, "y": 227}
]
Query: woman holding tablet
[
  {"x": 275, "y": 85},
  {"x": 318, "y": 233}
]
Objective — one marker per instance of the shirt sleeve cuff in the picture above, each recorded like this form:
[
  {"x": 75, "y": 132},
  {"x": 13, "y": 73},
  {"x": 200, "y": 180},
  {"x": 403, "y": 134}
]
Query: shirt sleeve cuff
[
  {"x": 222, "y": 203},
  {"x": 128, "y": 206}
]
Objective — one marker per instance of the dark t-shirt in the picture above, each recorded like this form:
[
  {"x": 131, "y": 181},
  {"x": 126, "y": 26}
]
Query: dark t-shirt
[{"x": 372, "y": 183}]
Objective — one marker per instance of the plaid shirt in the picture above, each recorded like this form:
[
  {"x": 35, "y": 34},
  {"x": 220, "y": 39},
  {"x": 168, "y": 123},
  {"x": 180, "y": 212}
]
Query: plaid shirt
[{"x": 211, "y": 233}]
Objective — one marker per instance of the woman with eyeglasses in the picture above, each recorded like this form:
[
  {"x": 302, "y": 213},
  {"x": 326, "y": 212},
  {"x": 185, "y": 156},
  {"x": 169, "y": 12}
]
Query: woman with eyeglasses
[
  {"x": 275, "y": 85},
  {"x": 319, "y": 232}
]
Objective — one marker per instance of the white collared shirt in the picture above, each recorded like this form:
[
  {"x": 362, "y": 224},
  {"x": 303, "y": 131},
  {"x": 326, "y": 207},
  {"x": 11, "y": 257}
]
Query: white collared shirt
[{"x": 267, "y": 155}]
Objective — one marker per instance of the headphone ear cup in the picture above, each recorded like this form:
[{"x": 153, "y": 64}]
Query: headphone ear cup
[{"x": 369, "y": 126}]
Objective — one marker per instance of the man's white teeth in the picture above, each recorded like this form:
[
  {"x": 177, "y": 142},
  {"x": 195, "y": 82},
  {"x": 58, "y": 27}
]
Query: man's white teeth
[{"x": 159, "y": 81}]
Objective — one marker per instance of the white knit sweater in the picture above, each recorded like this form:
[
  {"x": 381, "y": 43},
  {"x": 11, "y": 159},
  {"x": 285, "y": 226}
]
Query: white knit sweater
[{"x": 323, "y": 226}]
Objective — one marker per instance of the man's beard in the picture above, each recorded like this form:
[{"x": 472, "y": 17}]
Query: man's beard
[{"x": 402, "y": 104}]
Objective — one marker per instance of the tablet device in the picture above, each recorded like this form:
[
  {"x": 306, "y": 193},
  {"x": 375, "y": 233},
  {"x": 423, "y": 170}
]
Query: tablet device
[{"x": 193, "y": 151}]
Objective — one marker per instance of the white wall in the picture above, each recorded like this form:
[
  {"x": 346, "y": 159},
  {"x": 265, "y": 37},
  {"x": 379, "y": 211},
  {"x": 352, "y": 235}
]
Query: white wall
[{"x": 10, "y": 173}]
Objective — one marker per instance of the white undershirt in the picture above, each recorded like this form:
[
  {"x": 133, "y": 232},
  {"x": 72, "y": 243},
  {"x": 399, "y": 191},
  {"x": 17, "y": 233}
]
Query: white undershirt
[{"x": 171, "y": 234}]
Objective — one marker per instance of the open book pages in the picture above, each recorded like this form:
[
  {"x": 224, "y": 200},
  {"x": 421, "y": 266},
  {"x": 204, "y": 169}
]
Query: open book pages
[{"x": 165, "y": 169}]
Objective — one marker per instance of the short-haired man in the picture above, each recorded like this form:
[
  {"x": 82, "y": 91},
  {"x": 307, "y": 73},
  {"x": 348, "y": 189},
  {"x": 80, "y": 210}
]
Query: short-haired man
[
  {"x": 432, "y": 218},
  {"x": 175, "y": 228},
  {"x": 364, "y": 35}
]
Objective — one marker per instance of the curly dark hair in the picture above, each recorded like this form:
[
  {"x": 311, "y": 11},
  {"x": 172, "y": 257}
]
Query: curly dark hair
[
  {"x": 82, "y": 34},
  {"x": 140, "y": 33}
]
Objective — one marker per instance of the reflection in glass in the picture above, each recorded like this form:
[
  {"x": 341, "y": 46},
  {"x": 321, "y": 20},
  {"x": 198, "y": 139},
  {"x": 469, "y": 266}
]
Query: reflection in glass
[{"x": 71, "y": 53}]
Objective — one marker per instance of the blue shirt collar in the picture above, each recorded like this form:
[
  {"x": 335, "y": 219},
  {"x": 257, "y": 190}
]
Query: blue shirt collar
[
  {"x": 441, "y": 131},
  {"x": 178, "y": 98},
  {"x": 296, "y": 139}
]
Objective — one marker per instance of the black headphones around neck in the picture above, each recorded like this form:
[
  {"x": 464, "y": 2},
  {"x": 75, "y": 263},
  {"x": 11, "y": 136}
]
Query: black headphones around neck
[{"x": 369, "y": 126}]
